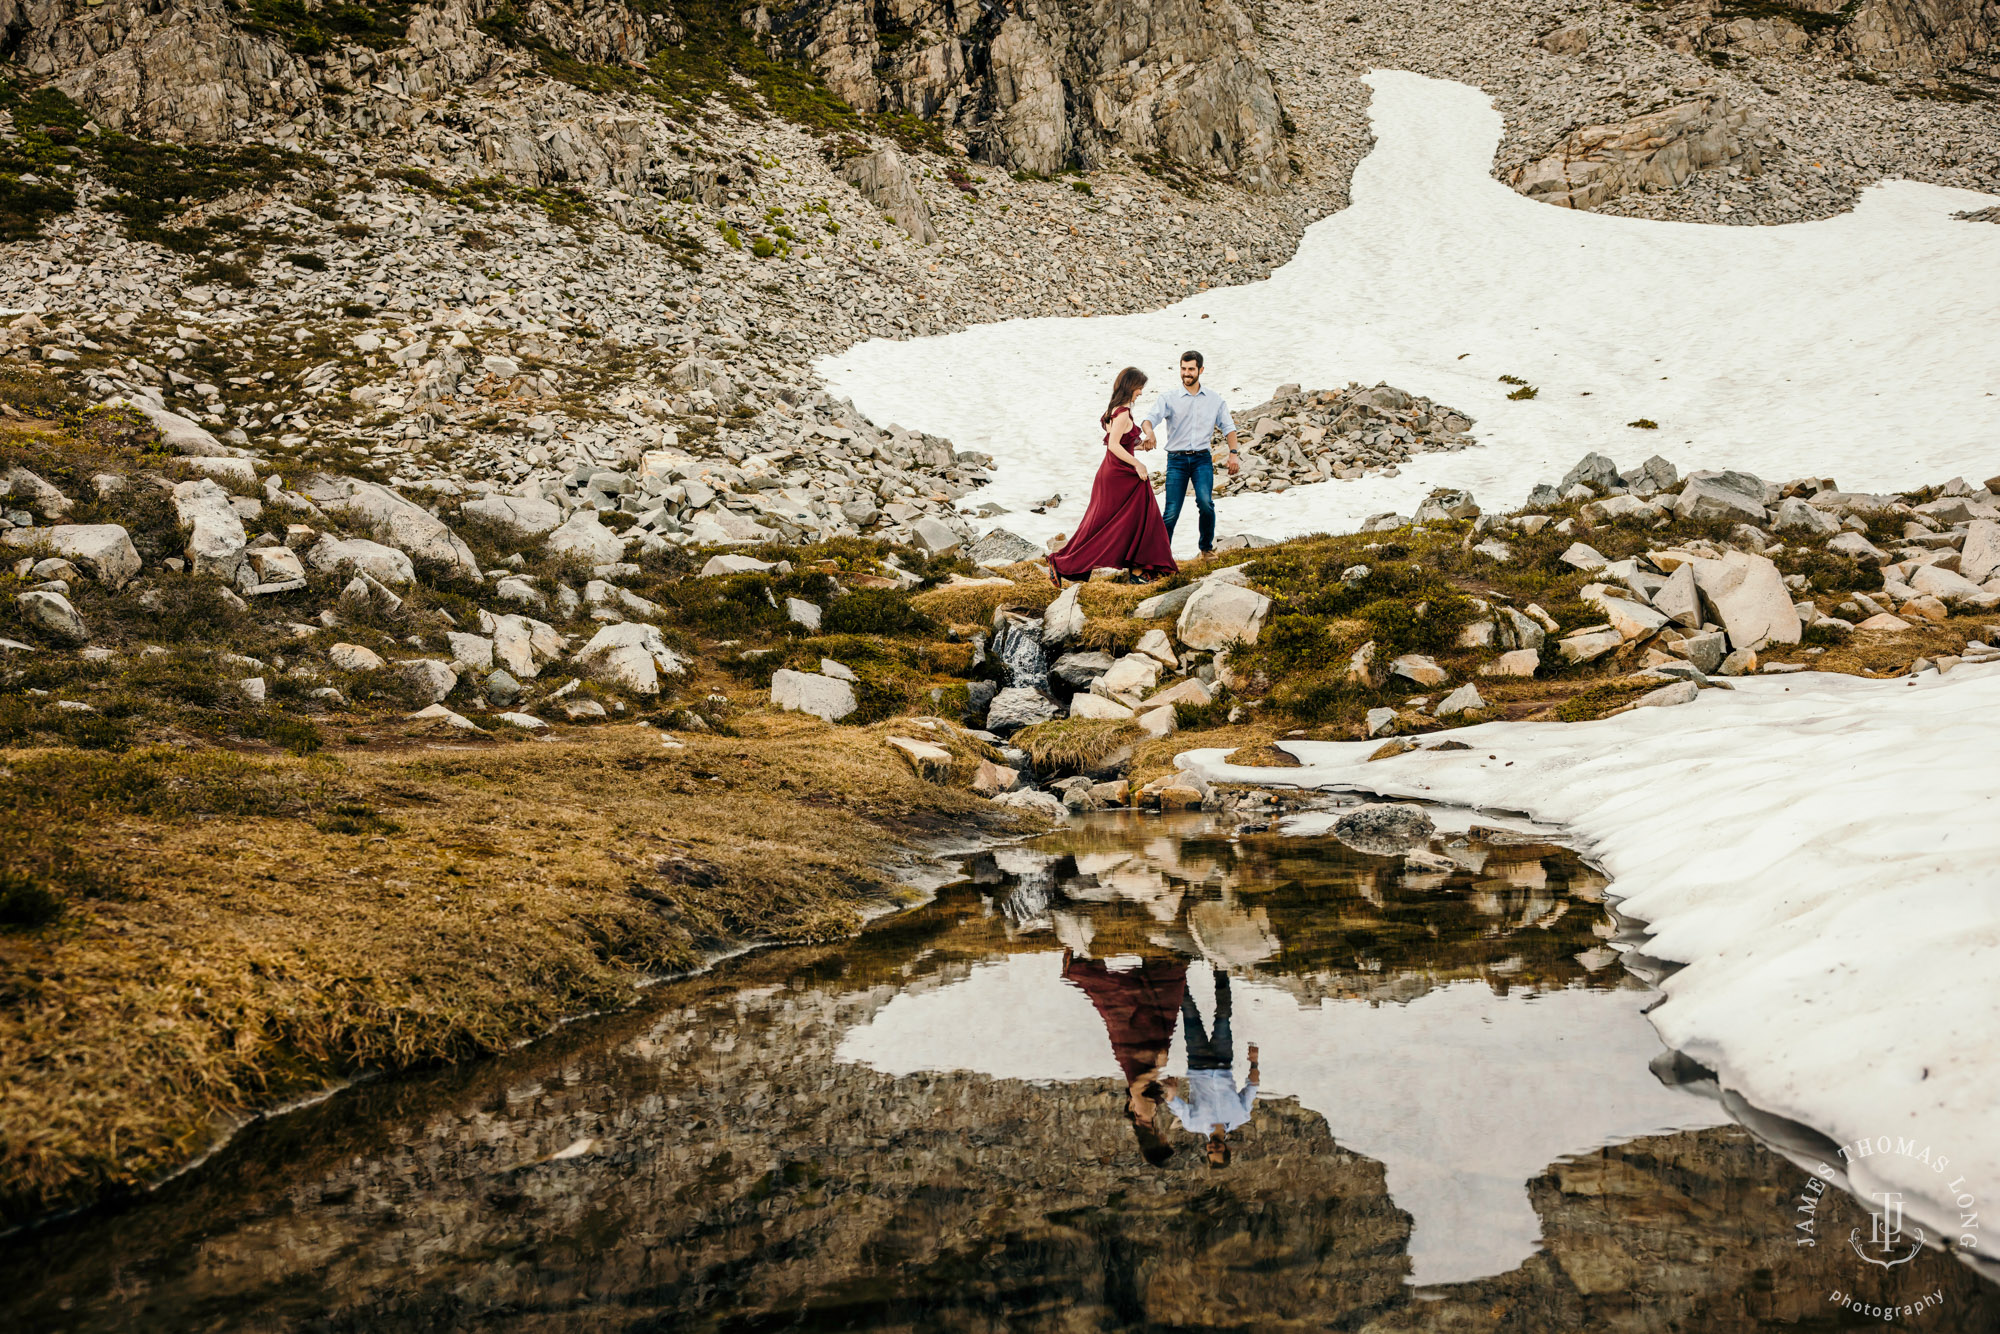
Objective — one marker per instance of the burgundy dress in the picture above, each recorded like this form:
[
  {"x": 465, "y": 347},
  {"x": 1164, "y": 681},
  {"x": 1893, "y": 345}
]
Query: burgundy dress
[
  {"x": 1122, "y": 528},
  {"x": 1138, "y": 1007}
]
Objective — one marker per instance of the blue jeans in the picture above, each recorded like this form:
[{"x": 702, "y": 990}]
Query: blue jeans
[
  {"x": 1209, "y": 1048},
  {"x": 1191, "y": 465}
]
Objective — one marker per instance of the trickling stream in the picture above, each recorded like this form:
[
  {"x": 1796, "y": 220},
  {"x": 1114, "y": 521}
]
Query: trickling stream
[{"x": 972, "y": 1118}]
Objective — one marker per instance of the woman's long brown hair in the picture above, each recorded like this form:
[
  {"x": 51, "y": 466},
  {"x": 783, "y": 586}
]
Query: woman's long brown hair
[{"x": 1123, "y": 390}]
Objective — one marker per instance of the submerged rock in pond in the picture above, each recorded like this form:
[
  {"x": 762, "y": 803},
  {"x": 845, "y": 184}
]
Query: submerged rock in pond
[{"x": 1384, "y": 828}]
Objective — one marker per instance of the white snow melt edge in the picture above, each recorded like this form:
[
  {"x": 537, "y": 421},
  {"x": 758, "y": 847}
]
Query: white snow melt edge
[
  {"x": 1859, "y": 346},
  {"x": 1822, "y": 852}
]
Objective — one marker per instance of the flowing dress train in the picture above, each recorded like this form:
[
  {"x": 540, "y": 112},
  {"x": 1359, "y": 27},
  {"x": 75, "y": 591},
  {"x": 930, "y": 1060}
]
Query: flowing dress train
[{"x": 1121, "y": 528}]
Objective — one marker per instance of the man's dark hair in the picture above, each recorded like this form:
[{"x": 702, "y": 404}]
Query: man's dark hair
[{"x": 1195, "y": 357}]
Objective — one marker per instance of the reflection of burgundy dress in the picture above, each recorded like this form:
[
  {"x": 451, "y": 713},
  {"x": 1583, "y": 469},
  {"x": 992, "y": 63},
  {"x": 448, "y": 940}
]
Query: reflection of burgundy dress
[
  {"x": 1140, "y": 1007},
  {"x": 1122, "y": 529}
]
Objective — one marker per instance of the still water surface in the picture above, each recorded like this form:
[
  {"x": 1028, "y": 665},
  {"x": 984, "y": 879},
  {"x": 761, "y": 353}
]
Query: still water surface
[{"x": 1031, "y": 1105}]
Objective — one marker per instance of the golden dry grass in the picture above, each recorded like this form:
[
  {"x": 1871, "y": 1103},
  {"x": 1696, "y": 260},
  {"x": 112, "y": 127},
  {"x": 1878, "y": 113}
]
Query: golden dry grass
[{"x": 283, "y": 923}]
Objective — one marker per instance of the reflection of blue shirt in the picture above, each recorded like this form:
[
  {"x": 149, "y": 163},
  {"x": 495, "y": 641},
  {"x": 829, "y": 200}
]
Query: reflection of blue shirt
[
  {"x": 1212, "y": 1100},
  {"x": 1192, "y": 419}
]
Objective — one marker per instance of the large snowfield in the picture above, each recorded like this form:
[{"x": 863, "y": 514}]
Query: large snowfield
[
  {"x": 1863, "y": 347},
  {"x": 1822, "y": 852}
]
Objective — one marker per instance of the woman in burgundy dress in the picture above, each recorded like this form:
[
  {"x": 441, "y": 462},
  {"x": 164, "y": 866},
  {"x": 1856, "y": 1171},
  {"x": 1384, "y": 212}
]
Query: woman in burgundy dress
[
  {"x": 1122, "y": 527},
  {"x": 1138, "y": 1007}
]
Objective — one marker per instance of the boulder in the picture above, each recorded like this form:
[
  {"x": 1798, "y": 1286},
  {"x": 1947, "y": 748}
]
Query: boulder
[
  {"x": 1589, "y": 645},
  {"x": 431, "y": 678},
  {"x": 215, "y": 533},
  {"x": 527, "y": 722},
  {"x": 1062, "y": 621},
  {"x": 839, "y": 671},
  {"x": 457, "y": 722},
  {"x": 502, "y": 689},
  {"x": 884, "y": 180},
  {"x": 1384, "y": 829},
  {"x": 1954, "y": 590},
  {"x": 1157, "y": 723},
  {"x": 1705, "y": 650},
  {"x": 1000, "y": 547},
  {"x": 1678, "y": 599},
  {"x": 805, "y": 692},
  {"x": 1633, "y": 620},
  {"x": 1017, "y": 707},
  {"x": 1420, "y": 669},
  {"x": 1078, "y": 670},
  {"x": 1593, "y": 470},
  {"x": 1133, "y": 674},
  {"x": 51, "y": 613},
  {"x": 1522, "y": 631},
  {"x": 1722, "y": 495},
  {"x": 1190, "y": 691},
  {"x": 473, "y": 652},
  {"x": 1034, "y": 802},
  {"x": 1680, "y": 692},
  {"x": 243, "y": 472},
  {"x": 103, "y": 550},
  {"x": 801, "y": 612},
  {"x": 1583, "y": 556},
  {"x": 1085, "y": 704},
  {"x": 1654, "y": 475},
  {"x": 727, "y": 564},
  {"x": 930, "y": 760},
  {"x": 1857, "y": 547},
  {"x": 358, "y": 555},
  {"x": 1165, "y": 604},
  {"x": 515, "y": 588},
  {"x": 1380, "y": 720},
  {"x": 403, "y": 524},
  {"x": 1465, "y": 699},
  {"x": 1219, "y": 614},
  {"x": 933, "y": 535},
  {"x": 993, "y": 779},
  {"x": 355, "y": 658},
  {"x": 1750, "y": 599},
  {"x": 1884, "y": 621},
  {"x": 632, "y": 655},
  {"x": 176, "y": 432},
  {"x": 584, "y": 537},
  {"x": 34, "y": 492},
  {"x": 1519, "y": 662},
  {"x": 1155, "y": 644},
  {"x": 529, "y": 517},
  {"x": 1797, "y": 516},
  {"x": 1979, "y": 559}
]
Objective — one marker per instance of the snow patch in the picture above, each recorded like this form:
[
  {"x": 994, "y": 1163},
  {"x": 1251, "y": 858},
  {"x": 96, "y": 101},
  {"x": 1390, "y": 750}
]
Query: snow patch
[
  {"x": 1821, "y": 851},
  {"x": 1857, "y": 346}
]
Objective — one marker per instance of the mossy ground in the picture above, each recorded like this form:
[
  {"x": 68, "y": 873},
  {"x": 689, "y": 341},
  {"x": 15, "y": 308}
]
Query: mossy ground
[{"x": 240, "y": 928}]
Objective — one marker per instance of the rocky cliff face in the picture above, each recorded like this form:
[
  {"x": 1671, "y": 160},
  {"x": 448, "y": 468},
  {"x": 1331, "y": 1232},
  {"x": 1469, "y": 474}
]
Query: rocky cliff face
[
  {"x": 1916, "y": 36},
  {"x": 1044, "y": 86},
  {"x": 1040, "y": 90}
]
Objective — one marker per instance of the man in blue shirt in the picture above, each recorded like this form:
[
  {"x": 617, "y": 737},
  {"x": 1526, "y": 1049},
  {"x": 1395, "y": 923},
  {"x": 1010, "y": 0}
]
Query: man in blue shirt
[
  {"x": 1211, "y": 1104},
  {"x": 1193, "y": 415}
]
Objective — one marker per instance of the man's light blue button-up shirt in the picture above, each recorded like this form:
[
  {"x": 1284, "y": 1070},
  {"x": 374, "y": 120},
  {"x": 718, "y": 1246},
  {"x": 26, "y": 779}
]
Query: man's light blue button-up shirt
[{"x": 1192, "y": 419}]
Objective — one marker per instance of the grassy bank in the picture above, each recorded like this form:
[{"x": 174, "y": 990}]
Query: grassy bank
[{"x": 241, "y": 929}]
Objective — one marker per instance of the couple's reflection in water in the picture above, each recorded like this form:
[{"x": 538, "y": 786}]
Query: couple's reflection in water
[{"x": 1141, "y": 1005}]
